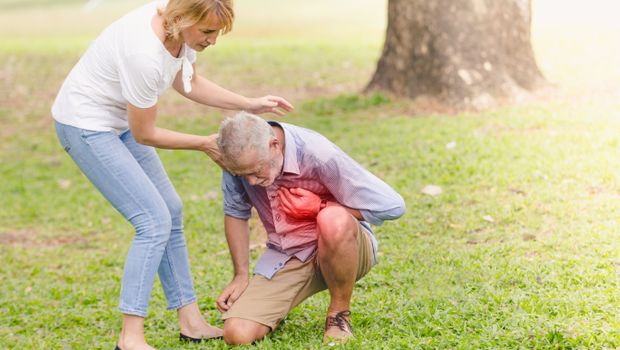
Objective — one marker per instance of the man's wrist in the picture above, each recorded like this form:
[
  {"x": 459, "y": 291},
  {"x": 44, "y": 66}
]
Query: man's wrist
[{"x": 241, "y": 275}]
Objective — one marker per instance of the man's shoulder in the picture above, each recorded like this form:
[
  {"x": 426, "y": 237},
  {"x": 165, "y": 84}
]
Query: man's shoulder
[
  {"x": 231, "y": 181},
  {"x": 310, "y": 142},
  {"x": 302, "y": 132}
]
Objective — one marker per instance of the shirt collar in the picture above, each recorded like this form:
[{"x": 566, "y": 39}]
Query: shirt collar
[{"x": 290, "y": 150}]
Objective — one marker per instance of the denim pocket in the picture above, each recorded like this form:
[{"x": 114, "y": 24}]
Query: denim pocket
[{"x": 89, "y": 136}]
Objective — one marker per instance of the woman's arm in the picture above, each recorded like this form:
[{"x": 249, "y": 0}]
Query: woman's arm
[
  {"x": 208, "y": 93},
  {"x": 142, "y": 125}
]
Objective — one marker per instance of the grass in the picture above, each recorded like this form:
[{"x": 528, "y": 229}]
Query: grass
[{"x": 519, "y": 251}]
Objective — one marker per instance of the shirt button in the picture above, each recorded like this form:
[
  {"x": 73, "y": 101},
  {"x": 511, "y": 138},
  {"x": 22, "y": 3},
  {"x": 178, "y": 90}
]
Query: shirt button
[{"x": 278, "y": 217}]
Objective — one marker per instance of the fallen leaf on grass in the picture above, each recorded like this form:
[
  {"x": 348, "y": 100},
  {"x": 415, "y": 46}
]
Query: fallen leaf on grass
[
  {"x": 211, "y": 195},
  {"x": 64, "y": 184},
  {"x": 529, "y": 237},
  {"x": 540, "y": 174},
  {"x": 595, "y": 190},
  {"x": 431, "y": 190},
  {"x": 488, "y": 218}
]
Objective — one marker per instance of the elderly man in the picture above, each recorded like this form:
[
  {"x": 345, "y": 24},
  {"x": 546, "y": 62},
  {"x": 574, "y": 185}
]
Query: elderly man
[{"x": 315, "y": 203}]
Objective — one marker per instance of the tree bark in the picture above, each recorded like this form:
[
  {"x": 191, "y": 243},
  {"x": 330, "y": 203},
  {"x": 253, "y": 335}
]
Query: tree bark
[{"x": 466, "y": 53}]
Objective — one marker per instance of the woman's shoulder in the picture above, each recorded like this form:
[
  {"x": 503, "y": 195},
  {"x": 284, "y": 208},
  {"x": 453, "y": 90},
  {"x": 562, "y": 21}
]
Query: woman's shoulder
[
  {"x": 143, "y": 13},
  {"x": 134, "y": 30},
  {"x": 137, "y": 36}
]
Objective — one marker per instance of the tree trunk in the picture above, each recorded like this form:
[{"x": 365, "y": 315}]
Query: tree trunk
[{"x": 466, "y": 53}]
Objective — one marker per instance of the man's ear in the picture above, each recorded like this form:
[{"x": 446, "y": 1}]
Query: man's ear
[
  {"x": 228, "y": 166},
  {"x": 274, "y": 142}
]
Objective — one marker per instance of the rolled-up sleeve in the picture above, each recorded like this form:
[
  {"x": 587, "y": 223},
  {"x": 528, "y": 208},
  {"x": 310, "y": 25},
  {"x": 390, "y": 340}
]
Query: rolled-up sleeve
[
  {"x": 236, "y": 202},
  {"x": 357, "y": 188}
]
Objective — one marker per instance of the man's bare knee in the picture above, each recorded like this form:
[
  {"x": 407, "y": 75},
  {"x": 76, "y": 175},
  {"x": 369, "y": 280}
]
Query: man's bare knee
[
  {"x": 238, "y": 331},
  {"x": 336, "y": 224}
]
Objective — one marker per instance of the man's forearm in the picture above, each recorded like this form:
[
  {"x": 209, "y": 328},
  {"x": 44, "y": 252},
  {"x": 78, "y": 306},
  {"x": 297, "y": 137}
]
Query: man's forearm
[
  {"x": 356, "y": 213},
  {"x": 238, "y": 238}
]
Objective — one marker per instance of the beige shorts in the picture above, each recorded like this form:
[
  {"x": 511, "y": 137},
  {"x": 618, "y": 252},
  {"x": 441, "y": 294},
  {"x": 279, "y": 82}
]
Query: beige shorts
[{"x": 269, "y": 301}]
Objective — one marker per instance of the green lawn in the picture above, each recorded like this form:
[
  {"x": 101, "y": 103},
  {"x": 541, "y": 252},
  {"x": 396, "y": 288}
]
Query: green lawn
[{"x": 519, "y": 251}]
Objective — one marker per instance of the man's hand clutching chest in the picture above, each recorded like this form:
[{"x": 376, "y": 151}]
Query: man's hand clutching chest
[{"x": 299, "y": 203}]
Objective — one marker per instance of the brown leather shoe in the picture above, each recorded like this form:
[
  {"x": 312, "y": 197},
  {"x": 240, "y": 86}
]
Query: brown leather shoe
[{"x": 338, "y": 328}]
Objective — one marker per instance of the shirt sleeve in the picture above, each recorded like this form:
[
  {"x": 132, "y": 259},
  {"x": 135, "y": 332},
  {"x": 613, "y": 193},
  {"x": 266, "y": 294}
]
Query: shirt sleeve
[
  {"x": 236, "y": 201},
  {"x": 139, "y": 74},
  {"x": 357, "y": 188}
]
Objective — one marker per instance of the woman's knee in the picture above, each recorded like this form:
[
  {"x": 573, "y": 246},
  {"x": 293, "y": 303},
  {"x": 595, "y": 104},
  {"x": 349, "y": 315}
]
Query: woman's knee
[
  {"x": 175, "y": 208},
  {"x": 154, "y": 224},
  {"x": 238, "y": 331}
]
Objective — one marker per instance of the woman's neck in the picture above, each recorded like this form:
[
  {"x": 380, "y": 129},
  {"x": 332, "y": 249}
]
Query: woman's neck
[{"x": 173, "y": 46}]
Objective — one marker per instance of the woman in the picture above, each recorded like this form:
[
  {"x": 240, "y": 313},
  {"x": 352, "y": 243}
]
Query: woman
[{"x": 105, "y": 119}]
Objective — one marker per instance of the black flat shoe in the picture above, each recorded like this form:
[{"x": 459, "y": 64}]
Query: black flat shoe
[
  {"x": 117, "y": 348},
  {"x": 185, "y": 338}
]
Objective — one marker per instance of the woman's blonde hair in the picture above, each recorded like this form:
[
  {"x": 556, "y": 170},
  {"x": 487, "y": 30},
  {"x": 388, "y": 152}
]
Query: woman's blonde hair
[{"x": 180, "y": 14}]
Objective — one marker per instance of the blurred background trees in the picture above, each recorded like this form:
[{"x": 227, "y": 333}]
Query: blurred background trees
[{"x": 468, "y": 53}]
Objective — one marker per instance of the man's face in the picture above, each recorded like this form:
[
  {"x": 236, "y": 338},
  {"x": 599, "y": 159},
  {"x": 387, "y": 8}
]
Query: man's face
[{"x": 261, "y": 172}]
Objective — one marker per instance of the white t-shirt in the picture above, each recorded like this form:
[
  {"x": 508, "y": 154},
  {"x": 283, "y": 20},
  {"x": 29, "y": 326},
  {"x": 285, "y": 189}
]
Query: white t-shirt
[{"x": 127, "y": 63}]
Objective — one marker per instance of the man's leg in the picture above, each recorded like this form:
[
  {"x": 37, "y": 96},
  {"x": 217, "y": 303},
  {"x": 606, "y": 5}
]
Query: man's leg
[
  {"x": 238, "y": 331},
  {"x": 337, "y": 255},
  {"x": 345, "y": 254},
  {"x": 265, "y": 302}
]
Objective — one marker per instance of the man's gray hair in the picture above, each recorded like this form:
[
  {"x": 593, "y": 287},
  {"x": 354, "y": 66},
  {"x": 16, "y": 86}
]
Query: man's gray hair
[{"x": 244, "y": 132}]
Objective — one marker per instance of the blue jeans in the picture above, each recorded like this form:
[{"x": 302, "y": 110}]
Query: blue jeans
[{"x": 132, "y": 178}]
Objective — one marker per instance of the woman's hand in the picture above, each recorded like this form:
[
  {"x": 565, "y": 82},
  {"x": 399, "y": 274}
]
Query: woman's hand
[
  {"x": 269, "y": 104},
  {"x": 210, "y": 147}
]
